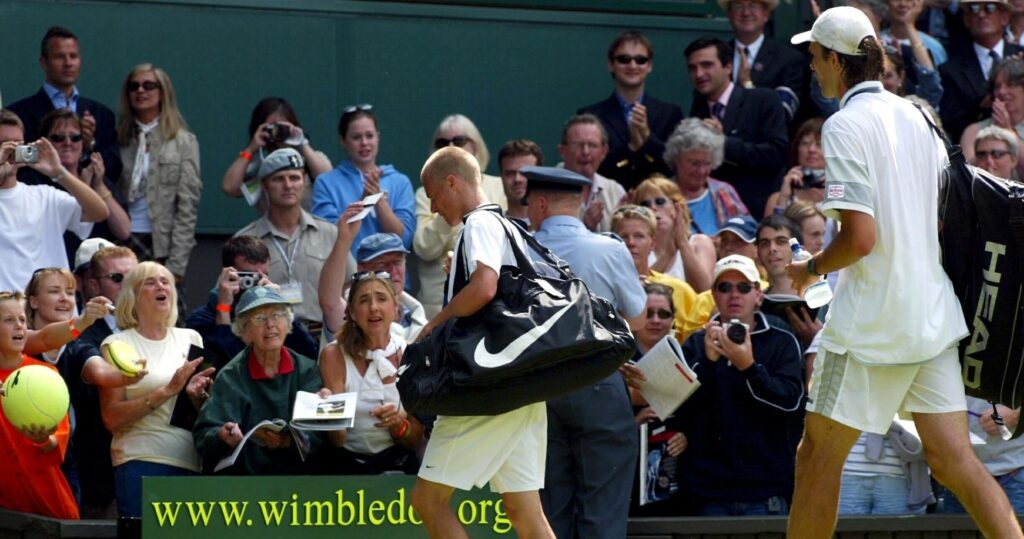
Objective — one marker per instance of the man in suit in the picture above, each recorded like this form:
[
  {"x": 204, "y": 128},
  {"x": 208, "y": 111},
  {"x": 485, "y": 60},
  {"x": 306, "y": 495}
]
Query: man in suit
[
  {"x": 965, "y": 96},
  {"x": 758, "y": 61},
  {"x": 752, "y": 120},
  {"x": 60, "y": 59},
  {"x": 637, "y": 124}
]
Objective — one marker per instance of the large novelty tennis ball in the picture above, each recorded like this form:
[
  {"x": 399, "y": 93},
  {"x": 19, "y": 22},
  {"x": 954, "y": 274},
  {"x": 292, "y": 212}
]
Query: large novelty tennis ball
[
  {"x": 124, "y": 357},
  {"x": 35, "y": 395}
]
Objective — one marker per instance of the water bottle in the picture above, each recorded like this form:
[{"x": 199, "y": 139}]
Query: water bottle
[{"x": 818, "y": 294}]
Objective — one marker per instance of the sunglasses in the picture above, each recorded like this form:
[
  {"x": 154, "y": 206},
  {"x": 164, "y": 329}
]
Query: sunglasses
[
  {"x": 365, "y": 107},
  {"x": 633, "y": 211},
  {"x": 654, "y": 202},
  {"x": 742, "y": 288},
  {"x": 115, "y": 278},
  {"x": 662, "y": 314},
  {"x": 996, "y": 154},
  {"x": 976, "y": 9},
  {"x": 364, "y": 275},
  {"x": 625, "y": 59},
  {"x": 61, "y": 137},
  {"x": 458, "y": 140},
  {"x": 148, "y": 85}
]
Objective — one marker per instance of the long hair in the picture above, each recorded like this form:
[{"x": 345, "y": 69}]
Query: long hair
[
  {"x": 36, "y": 283},
  {"x": 462, "y": 124},
  {"x": 350, "y": 337},
  {"x": 171, "y": 121}
]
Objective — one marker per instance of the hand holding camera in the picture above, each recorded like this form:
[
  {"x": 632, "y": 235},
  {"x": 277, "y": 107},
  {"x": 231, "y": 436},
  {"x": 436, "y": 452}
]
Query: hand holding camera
[{"x": 730, "y": 340}]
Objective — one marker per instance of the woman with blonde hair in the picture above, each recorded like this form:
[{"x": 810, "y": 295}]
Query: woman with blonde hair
[
  {"x": 160, "y": 183},
  {"x": 434, "y": 237},
  {"x": 678, "y": 251},
  {"x": 145, "y": 443}
]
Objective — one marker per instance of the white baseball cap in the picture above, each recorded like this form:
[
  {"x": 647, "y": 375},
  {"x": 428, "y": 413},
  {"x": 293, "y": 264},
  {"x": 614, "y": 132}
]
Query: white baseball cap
[
  {"x": 744, "y": 265},
  {"x": 840, "y": 29}
]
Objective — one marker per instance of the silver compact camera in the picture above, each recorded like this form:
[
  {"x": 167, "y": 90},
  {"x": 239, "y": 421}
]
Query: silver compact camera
[
  {"x": 736, "y": 331},
  {"x": 26, "y": 154},
  {"x": 248, "y": 279}
]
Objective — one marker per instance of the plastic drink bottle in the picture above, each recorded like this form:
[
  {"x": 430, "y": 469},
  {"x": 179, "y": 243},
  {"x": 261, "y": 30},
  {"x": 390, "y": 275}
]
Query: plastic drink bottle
[{"x": 819, "y": 293}]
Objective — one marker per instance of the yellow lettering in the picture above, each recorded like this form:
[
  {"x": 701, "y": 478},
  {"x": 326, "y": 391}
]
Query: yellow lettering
[
  {"x": 320, "y": 507},
  {"x": 484, "y": 504},
  {"x": 295, "y": 509},
  {"x": 396, "y": 506},
  {"x": 164, "y": 513},
  {"x": 273, "y": 516},
  {"x": 362, "y": 507},
  {"x": 502, "y": 524},
  {"x": 377, "y": 512},
  {"x": 414, "y": 519},
  {"x": 346, "y": 510},
  {"x": 234, "y": 516},
  {"x": 462, "y": 512},
  {"x": 200, "y": 512}
]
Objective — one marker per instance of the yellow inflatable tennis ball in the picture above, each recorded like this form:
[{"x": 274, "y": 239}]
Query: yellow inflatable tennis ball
[
  {"x": 124, "y": 357},
  {"x": 35, "y": 395}
]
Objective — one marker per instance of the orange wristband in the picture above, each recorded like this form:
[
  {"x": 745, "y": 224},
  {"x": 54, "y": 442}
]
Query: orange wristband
[
  {"x": 403, "y": 429},
  {"x": 244, "y": 154},
  {"x": 223, "y": 308},
  {"x": 74, "y": 332}
]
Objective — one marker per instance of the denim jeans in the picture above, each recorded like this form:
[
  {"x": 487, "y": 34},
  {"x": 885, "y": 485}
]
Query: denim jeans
[
  {"x": 128, "y": 483},
  {"x": 776, "y": 505},
  {"x": 875, "y": 495},
  {"x": 1013, "y": 486}
]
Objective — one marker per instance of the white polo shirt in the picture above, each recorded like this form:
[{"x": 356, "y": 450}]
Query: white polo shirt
[{"x": 895, "y": 305}]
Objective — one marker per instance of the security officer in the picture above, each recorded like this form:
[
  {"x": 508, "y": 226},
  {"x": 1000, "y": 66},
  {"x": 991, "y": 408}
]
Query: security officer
[{"x": 587, "y": 497}]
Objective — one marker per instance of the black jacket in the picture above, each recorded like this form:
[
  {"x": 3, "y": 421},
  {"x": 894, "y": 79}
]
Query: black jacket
[{"x": 963, "y": 88}]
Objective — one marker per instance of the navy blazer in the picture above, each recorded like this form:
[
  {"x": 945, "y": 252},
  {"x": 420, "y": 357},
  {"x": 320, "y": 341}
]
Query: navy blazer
[
  {"x": 32, "y": 109},
  {"x": 963, "y": 88},
  {"x": 778, "y": 64},
  {"x": 628, "y": 167},
  {"x": 756, "y": 143}
]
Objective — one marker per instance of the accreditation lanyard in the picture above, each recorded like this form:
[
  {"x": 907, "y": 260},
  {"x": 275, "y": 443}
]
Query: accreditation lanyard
[{"x": 288, "y": 259}]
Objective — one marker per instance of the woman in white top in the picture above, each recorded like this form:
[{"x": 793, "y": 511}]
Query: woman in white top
[
  {"x": 364, "y": 359},
  {"x": 139, "y": 415}
]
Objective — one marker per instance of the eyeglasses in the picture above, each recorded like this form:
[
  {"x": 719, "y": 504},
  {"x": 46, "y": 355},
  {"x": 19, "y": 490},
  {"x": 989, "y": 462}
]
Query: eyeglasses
[
  {"x": 976, "y": 9},
  {"x": 365, "y": 107},
  {"x": 61, "y": 137},
  {"x": 654, "y": 202},
  {"x": 457, "y": 140},
  {"x": 148, "y": 86},
  {"x": 364, "y": 275},
  {"x": 115, "y": 278},
  {"x": 276, "y": 316},
  {"x": 996, "y": 154},
  {"x": 580, "y": 145},
  {"x": 625, "y": 59},
  {"x": 662, "y": 314},
  {"x": 742, "y": 288}
]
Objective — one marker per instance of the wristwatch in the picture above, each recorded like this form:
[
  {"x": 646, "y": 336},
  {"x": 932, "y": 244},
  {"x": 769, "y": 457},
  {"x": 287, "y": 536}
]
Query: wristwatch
[{"x": 812, "y": 269}]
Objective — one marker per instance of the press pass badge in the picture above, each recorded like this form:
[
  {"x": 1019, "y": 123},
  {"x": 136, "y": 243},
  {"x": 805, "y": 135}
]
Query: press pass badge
[{"x": 292, "y": 292}]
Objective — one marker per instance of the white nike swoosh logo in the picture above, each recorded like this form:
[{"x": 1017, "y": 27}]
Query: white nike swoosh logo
[{"x": 516, "y": 347}]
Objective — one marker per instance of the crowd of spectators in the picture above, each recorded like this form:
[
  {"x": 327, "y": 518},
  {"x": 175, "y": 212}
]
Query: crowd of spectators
[{"x": 314, "y": 294}]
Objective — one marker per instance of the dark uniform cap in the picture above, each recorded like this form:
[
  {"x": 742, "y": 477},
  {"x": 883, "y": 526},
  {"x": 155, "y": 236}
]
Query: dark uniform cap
[{"x": 553, "y": 179}]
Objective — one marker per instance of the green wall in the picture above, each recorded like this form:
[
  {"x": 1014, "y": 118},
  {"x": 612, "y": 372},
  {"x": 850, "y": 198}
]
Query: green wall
[{"x": 516, "y": 72}]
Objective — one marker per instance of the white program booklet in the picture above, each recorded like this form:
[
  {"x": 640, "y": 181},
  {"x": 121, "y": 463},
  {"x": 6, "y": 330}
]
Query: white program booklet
[{"x": 670, "y": 380}]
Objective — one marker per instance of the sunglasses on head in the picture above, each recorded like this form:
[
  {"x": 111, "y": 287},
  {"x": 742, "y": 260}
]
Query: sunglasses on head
[
  {"x": 364, "y": 275},
  {"x": 654, "y": 202},
  {"x": 996, "y": 154},
  {"x": 457, "y": 140},
  {"x": 625, "y": 59},
  {"x": 148, "y": 85},
  {"x": 663, "y": 314},
  {"x": 61, "y": 137},
  {"x": 742, "y": 288},
  {"x": 114, "y": 277},
  {"x": 975, "y": 9},
  {"x": 365, "y": 107}
]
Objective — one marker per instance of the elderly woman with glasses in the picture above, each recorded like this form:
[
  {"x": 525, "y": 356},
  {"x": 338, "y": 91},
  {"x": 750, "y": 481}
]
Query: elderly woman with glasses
[
  {"x": 678, "y": 251},
  {"x": 145, "y": 442},
  {"x": 359, "y": 176},
  {"x": 64, "y": 129},
  {"x": 273, "y": 125},
  {"x": 1006, "y": 87},
  {"x": 259, "y": 384},
  {"x": 160, "y": 183},
  {"x": 435, "y": 237},
  {"x": 364, "y": 359},
  {"x": 997, "y": 150},
  {"x": 692, "y": 152}
]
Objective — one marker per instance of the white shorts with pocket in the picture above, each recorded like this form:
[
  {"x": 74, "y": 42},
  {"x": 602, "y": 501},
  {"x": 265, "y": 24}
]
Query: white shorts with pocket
[
  {"x": 507, "y": 450},
  {"x": 866, "y": 397}
]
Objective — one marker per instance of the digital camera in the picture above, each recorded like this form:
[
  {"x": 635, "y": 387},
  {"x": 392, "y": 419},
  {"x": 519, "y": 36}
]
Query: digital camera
[
  {"x": 247, "y": 280},
  {"x": 736, "y": 331},
  {"x": 26, "y": 154},
  {"x": 278, "y": 132},
  {"x": 813, "y": 177}
]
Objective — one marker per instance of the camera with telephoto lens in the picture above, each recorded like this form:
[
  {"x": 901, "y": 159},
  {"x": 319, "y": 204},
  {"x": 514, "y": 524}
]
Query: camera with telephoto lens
[
  {"x": 813, "y": 177},
  {"x": 247, "y": 280},
  {"x": 736, "y": 331},
  {"x": 278, "y": 132},
  {"x": 26, "y": 154}
]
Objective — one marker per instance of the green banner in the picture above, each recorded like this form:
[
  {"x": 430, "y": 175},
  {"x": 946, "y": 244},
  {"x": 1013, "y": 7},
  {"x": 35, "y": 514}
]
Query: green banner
[{"x": 306, "y": 506}]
